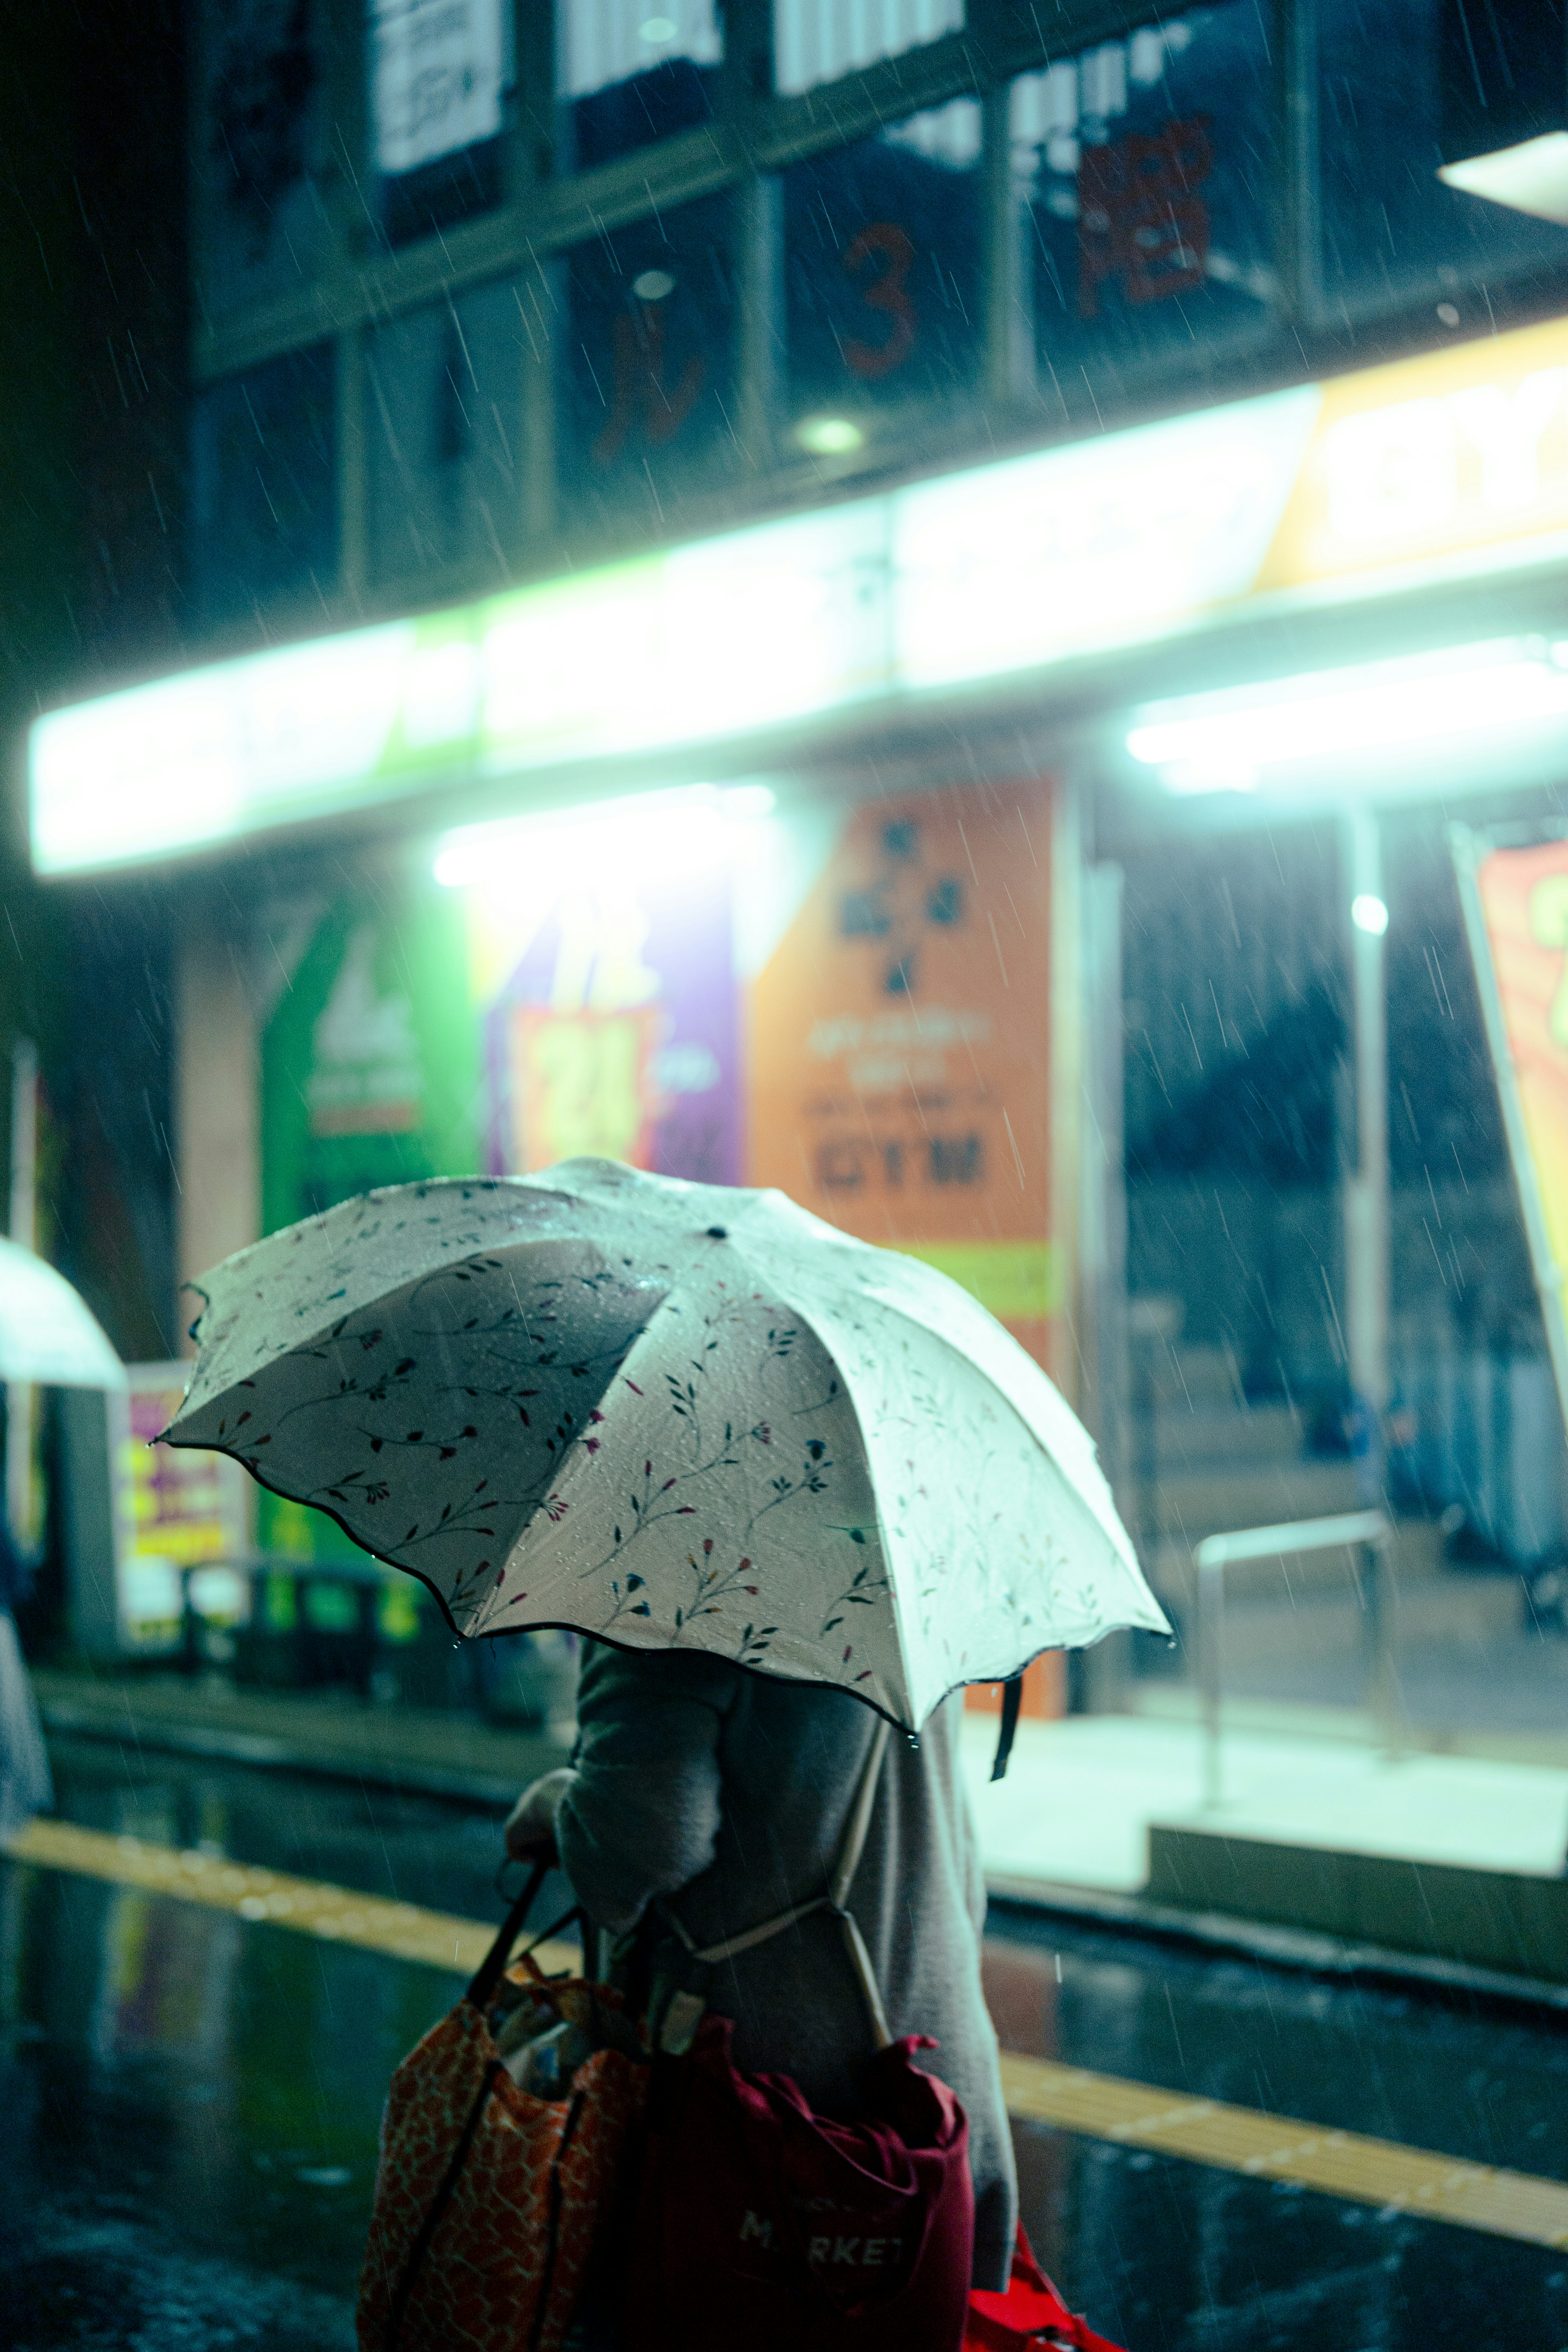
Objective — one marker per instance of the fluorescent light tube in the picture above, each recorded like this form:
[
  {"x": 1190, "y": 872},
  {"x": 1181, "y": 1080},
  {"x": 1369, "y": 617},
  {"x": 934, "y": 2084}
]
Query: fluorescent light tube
[
  {"x": 1232, "y": 741},
  {"x": 1532, "y": 177}
]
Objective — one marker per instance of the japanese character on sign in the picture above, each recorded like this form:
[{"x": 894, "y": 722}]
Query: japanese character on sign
[
  {"x": 642, "y": 399},
  {"x": 1140, "y": 219}
]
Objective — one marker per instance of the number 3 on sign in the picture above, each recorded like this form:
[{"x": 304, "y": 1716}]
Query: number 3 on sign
[{"x": 885, "y": 243}]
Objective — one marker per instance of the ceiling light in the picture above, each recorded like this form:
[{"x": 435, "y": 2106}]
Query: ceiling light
[
  {"x": 653, "y": 285},
  {"x": 1530, "y": 178},
  {"x": 1502, "y": 121},
  {"x": 1394, "y": 714},
  {"x": 655, "y": 29},
  {"x": 829, "y": 437},
  {"x": 1368, "y": 913},
  {"x": 640, "y": 833}
]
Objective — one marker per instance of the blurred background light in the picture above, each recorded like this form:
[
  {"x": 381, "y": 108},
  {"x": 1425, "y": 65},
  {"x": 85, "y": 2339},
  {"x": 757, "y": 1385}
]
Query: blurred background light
[
  {"x": 1368, "y": 913},
  {"x": 639, "y": 834},
  {"x": 1386, "y": 715},
  {"x": 1502, "y": 130},
  {"x": 829, "y": 437},
  {"x": 1530, "y": 178}
]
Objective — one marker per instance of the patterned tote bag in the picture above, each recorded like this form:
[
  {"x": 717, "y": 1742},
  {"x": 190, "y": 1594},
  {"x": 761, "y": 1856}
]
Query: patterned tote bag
[{"x": 500, "y": 2147}]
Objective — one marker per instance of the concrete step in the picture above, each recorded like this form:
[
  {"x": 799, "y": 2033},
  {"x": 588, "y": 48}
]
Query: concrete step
[
  {"x": 1277, "y": 1718},
  {"x": 1190, "y": 1437},
  {"x": 1195, "y": 1377},
  {"x": 1417, "y": 1559},
  {"x": 1326, "y": 1623},
  {"x": 1191, "y": 1504}
]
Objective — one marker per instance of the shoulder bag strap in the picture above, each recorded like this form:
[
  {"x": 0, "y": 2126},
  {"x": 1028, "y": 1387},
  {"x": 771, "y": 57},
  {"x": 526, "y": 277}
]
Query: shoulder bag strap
[
  {"x": 851, "y": 1847},
  {"x": 493, "y": 1965}
]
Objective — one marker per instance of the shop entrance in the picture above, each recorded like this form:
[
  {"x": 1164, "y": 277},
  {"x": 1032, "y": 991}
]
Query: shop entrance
[{"x": 1239, "y": 1088}]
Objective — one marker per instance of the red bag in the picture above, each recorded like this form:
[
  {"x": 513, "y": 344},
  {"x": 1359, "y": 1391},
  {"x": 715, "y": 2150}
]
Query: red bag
[
  {"x": 1030, "y": 2316},
  {"x": 762, "y": 2224}
]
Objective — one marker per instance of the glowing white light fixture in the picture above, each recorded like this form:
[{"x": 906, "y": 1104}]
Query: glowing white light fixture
[
  {"x": 657, "y": 30},
  {"x": 1502, "y": 93},
  {"x": 1530, "y": 178},
  {"x": 830, "y": 436},
  {"x": 653, "y": 285},
  {"x": 639, "y": 834},
  {"x": 1369, "y": 914},
  {"x": 1381, "y": 715}
]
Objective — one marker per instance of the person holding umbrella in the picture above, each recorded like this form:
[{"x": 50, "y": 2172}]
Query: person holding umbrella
[
  {"x": 717, "y": 1799},
  {"x": 26, "y": 1787},
  {"x": 49, "y": 1339},
  {"x": 796, "y": 1490}
]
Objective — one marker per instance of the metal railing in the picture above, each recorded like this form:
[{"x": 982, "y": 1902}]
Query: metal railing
[
  {"x": 361, "y": 1642},
  {"x": 1367, "y": 1536}
]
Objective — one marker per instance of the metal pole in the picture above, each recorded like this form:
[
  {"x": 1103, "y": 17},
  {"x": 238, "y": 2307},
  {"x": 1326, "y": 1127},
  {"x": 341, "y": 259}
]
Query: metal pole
[
  {"x": 1211, "y": 1663},
  {"x": 759, "y": 237},
  {"x": 24, "y": 1224},
  {"x": 1365, "y": 1535},
  {"x": 1366, "y": 1176},
  {"x": 1008, "y": 329},
  {"x": 1380, "y": 1603}
]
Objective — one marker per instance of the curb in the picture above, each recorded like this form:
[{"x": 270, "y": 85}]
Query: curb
[
  {"x": 491, "y": 1792},
  {"x": 1218, "y": 1932},
  {"x": 1299, "y": 1949}
]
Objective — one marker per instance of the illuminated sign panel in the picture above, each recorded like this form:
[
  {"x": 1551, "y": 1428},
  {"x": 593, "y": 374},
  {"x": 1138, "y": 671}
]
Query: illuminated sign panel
[
  {"x": 1432, "y": 468},
  {"x": 1516, "y": 912}
]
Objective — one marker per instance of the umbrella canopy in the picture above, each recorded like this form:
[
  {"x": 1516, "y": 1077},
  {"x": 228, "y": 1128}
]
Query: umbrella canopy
[
  {"x": 670, "y": 1414},
  {"x": 48, "y": 1335}
]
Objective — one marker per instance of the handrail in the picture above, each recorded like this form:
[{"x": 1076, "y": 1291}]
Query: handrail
[
  {"x": 1293, "y": 1535},
  {"x": 1368, "y": 1532}
]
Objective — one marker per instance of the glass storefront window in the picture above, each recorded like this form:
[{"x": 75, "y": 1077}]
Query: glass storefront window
[
  {"x": 1391, "y": 233},
  {"x": 813, "y": 44},
  {"x": 444, "y": 421},
  {"x": 258, "y": 154},
  {"x": 633, "y": 71},
  {"x": 647, "y": 401},
  {"x": 264, "y": 485},
  {"x": 883, "y": 274},
  {"x": 1144, "y": 171},
  {"x": 440, "y": 74}
]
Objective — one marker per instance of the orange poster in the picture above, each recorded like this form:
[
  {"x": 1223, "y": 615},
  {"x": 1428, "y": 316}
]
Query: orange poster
[
  {"x": 899, "y": 1050},
  {"x": 1516, "y": 903},
  {"x": 582, "y": 1083}
]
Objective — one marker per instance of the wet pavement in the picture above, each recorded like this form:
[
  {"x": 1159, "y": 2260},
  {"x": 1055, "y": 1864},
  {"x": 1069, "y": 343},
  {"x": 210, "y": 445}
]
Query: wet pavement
[{"x": 190, "y": 2101}]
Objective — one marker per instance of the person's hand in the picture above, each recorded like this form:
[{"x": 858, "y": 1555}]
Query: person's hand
[{"x": 531, "y": 1824}]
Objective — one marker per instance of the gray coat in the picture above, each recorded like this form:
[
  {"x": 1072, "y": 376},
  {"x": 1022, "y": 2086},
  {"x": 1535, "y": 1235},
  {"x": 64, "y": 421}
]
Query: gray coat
[{"x": 727, "y": 1792}]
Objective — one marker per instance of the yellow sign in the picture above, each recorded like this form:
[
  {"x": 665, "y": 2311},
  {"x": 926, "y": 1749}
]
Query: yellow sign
[
  {"x": 182, "y": 1521},
  {"x": 1516, "y": 906},
  {"x": 582, "y": 1085},
  {"x": 1460, "y": 454},
  {"x": 1015, "y": 1281}
]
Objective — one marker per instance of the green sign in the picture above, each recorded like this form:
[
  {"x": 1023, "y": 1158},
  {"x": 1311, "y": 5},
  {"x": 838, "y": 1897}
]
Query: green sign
[{"x": 370, "y": 1072}]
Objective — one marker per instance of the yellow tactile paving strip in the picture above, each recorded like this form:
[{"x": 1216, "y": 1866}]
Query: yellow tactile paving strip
[
  {"x": 306, "y": 1904},
  {"x": 1272, "y": 2147},
  {"x": 1038, "y": 2090}
]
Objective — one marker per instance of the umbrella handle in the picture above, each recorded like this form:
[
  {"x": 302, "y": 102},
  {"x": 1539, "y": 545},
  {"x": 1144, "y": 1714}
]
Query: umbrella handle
[
  {"x": 489, "y": 1973},
  {"x": 1012, "y": 1696}
]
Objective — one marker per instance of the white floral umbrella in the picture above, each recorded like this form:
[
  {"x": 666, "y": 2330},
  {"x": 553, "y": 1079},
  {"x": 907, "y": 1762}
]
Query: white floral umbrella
[
  {"x": 674, "y": 1415},
  {"x": 49, "y": 1337}
]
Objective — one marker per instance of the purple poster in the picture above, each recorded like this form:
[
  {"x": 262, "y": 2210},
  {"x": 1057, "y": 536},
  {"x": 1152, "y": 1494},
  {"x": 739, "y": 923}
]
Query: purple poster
[{"x": 613, "y": 1027}]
